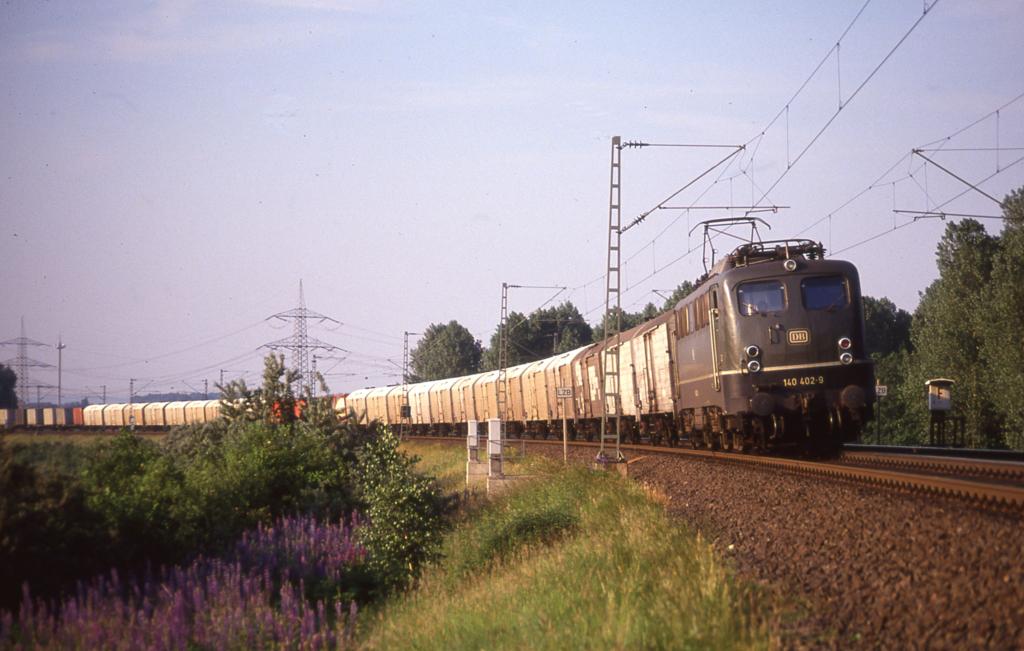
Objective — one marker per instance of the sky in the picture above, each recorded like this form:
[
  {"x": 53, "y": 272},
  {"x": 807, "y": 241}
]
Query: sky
[{"x": 171, "y": 170}]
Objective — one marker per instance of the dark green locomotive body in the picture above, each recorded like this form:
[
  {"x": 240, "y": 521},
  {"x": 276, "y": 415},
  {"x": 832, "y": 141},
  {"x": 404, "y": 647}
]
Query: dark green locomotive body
[{"x": 771, "y": 353}]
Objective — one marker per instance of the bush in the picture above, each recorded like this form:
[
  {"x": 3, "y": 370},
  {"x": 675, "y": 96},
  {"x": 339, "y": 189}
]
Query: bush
[
  {"x": 136, "y": 503},
  {"x": 404, "y": 511},
  {"x": 47, "y": 533}
]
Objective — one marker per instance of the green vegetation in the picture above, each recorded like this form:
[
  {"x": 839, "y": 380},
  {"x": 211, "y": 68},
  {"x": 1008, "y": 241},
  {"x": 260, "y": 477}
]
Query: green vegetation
[
  {"x": 545, "y": 332},
  {"x": 578, "y": 560},
  {"x": 967, "y": 327},
  {"x": 444, "y": 351},
  {"x": 8, "y": 382},
  {"x": 404, "y": 511},
  {"x": 70, "y": 511}
]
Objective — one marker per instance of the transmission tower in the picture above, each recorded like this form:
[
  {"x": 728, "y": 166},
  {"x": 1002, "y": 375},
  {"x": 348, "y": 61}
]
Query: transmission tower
[
  {"x": 300, "y": 344},
  {"x": 23, "y": 362}
]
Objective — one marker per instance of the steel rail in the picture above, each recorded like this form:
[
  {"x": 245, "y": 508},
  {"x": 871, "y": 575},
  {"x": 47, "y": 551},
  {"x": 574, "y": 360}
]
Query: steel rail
[
  {"x": 1011, "y": 471},
  {"x": 999, "y": 496}
]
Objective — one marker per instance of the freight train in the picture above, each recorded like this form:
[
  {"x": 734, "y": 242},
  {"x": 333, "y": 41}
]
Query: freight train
[
  {"x": 153, "y": 415},
  {"x": 767, "y": 353}
]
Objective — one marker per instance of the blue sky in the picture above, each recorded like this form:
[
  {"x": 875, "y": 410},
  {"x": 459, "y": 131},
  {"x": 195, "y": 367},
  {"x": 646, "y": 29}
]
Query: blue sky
[{"x": 172, "y": 169}]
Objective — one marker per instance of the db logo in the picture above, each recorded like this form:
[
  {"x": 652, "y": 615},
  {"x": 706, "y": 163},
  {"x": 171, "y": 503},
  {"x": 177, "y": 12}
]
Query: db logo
[{"x": 799, "y": 336}]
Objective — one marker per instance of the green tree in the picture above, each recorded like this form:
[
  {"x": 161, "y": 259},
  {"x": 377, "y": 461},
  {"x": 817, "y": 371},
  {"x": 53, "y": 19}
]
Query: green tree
[
  {"x": 628, "y": 320},
  {"x": 444, "y": 351},
  {"x": 684, "y": 289},
  {"x": 273, "y": 402},
  {"x": 946, "y": 331},
  {"x": 1003, "y": 321},
  {"x": 8, "y": 381},
  {"x": 887, "y": 327},
  {"x": 545, "y": 332}
]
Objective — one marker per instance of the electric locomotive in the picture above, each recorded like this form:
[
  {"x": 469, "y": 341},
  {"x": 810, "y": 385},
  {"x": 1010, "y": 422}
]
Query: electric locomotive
[{"x": 770, "y": 351}]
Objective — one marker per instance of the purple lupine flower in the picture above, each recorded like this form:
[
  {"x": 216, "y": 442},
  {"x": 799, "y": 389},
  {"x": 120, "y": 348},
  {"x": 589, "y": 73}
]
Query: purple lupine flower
[{"x": 211, "y": 602}]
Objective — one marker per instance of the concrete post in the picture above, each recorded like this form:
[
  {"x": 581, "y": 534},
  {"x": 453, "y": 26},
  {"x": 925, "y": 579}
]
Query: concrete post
[
  {"x": 494, "y": 448},
  {"x": 474, "y": 467}
]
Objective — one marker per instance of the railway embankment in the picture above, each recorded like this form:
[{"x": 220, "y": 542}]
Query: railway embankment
[
  {"x": 570, "y": 559},
  {"x": 865, "y": 567}
]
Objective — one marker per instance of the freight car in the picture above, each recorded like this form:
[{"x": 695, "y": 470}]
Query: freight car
[
  {"x": 148, "y": 415},
  {"x": 767, "y": 353},
  {"x": 140, "y": 415}
]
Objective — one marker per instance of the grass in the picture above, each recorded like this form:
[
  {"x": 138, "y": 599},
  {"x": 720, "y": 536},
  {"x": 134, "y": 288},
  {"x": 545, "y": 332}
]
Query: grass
[
  {"x": 574, "y": 559},
  {"x": 445, "y": 462}
]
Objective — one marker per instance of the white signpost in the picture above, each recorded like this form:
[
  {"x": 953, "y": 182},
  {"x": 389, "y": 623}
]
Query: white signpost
[{"x": 563, "y": 394}]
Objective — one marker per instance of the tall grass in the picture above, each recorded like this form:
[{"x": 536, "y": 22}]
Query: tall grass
[{"x": 579, "y": 560}]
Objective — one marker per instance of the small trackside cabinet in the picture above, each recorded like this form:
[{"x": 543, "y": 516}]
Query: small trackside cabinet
[{"x": 940, "y": 394}]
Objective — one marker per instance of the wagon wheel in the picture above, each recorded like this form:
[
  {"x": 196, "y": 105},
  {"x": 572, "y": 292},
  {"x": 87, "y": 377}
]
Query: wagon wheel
[
  {"x": 725, "y": 440},
  {"x": 739, "y": 442}
]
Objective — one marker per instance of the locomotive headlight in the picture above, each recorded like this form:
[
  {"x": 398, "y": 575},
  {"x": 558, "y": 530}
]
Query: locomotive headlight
[
  {"x": 845, "y": 343},
  {"x": 754, "y": 366},
  {"x": 846, "y": 358},
  {"x": 752, "y": 351},
  {"x": 789, "y": 265}
]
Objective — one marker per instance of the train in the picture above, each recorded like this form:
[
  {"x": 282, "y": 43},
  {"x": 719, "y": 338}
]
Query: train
[
  {"x": 767, "y": 354},
  {"x": 155, "y": 415},
  {"x": 141, "y": 415}
]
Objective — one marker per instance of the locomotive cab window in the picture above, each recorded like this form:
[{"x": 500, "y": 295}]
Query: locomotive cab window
[
  {"x": 825, "y": 293},
  {"x": 761, "y": 297}
]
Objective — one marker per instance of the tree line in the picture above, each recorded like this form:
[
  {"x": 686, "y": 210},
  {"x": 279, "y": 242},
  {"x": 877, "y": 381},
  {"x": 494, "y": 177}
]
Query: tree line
[
  {"x": 968, "y": 327},
  {"x": 449, "y": 350}
]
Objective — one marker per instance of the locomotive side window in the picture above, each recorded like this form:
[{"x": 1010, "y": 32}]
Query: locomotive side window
[
  {"x": 761, "y": 297},
  {"x": 824, "y": 293}
]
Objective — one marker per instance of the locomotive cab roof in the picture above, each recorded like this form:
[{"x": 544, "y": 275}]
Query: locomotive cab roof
[
  {"x": 759, "y": 252},
  {"x": 753, "y": 253}
]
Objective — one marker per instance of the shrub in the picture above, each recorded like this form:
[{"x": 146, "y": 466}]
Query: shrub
[
  {"x": 404, "y": 511},
  {"x": 47, "y": 533}
]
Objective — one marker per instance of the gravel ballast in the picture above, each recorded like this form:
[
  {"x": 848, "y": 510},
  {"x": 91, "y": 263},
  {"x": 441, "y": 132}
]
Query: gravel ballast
[{"x": 867, "y": 567}]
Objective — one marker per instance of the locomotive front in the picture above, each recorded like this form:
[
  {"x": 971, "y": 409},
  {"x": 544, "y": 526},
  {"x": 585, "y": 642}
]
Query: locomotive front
[{"x": 793, "y": 343}]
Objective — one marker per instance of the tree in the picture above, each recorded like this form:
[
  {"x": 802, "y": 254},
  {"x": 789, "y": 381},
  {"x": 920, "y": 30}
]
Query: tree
[
  {"x": 444, "y": 351},
  {"x": 545, "y": 332},
  {"x": 628, "y": 320},
  {"x": 886, "y": 327},
  {"x": 8, "y": 381},
  {"x": 684, "y": 289},
  {"x": 274, "y": 402},
  {"x": 947, "y": 327},
  {"x": 1003, "y": 323}
]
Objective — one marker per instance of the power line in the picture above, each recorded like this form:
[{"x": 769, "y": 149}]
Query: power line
[{"x": 874, "y": 71}]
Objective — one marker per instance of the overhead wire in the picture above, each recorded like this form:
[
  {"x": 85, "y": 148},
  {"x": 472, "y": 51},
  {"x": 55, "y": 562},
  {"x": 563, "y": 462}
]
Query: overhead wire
[{"x": 758, "y": 139}]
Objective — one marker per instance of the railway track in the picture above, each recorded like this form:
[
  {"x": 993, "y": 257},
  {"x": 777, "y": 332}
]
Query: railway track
[{"x": 992, "y": 484}]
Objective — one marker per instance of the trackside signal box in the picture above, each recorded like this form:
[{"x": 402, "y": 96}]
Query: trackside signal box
[
  {"x": 940, "y": 403},
  {"x": 940, "y": 394}
]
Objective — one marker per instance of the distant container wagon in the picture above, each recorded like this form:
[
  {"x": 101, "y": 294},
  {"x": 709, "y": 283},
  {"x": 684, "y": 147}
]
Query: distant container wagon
[{"x": 144, "y": 414}]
